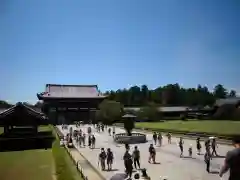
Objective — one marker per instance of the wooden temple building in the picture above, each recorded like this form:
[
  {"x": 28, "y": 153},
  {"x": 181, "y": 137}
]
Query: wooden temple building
[
  {"x": 64, "y": 104},
  {"x": 20, "y": 124}
]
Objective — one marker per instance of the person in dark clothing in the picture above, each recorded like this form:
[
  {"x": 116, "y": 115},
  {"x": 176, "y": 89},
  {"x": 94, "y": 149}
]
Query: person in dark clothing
[
  {"x": 89, "y": 141},
  {"x": 109, "y": 131},
  {"x": 207, "y": 145},
  {"x": 159, "y": 137},
  {"x": 128, "y": 163},
  {"x": 127, "y": 147},
  {"x": 102, "y": 158},
  {"x": 136, "y": 157},
  {"x": 214, "y": 145},
  {"x": 207, "y": 159},
  {"x": 155, "y": 138},
  {"x": 181, "y": 146},
  {"x": 109, "y": 159},
  {"x": 199, "y": 147},
  {"x": 93, "y": 141},
  {"x": 232, "y": 161},
  {"x": 152, "y": 154}
]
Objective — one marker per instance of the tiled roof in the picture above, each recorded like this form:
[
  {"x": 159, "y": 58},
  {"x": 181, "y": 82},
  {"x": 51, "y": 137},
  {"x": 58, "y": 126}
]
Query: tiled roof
[
  {"x": 22, "y": 105},
  {"x": 71, "y": 91}
]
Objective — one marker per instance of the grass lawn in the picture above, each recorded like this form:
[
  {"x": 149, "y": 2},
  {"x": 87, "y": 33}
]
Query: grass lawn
[
  {"x": 219, "y": 127},
  {"x": 27, "y": 165}
]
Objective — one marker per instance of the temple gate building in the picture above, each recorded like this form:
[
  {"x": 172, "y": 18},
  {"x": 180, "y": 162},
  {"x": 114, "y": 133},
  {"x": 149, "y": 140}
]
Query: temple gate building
[{"x": 67, "y": 103}]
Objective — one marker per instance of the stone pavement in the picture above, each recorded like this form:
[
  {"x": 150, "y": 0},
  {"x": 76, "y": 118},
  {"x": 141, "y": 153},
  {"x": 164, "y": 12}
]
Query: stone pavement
[{"x": 169, "y": 165}]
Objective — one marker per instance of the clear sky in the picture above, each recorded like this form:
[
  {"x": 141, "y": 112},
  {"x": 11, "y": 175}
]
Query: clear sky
[{"x": 117, "y": 44}]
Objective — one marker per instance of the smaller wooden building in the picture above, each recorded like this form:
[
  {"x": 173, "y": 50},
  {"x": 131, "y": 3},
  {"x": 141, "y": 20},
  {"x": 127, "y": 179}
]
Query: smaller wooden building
[
  {"x": 20, "y": 124},
  {"x": 21, "y": 117}
]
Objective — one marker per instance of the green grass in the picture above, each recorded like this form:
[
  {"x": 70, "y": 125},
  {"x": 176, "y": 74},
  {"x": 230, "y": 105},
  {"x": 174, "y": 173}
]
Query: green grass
[
  {"x": 65, "y": 168},
  {"x": 27, "y": 165},
  {"x": 215, "y": 127}
]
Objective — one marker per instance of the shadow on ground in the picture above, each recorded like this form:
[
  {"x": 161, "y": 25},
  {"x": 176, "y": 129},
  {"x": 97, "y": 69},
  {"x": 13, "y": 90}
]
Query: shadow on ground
[{"x": 42, "y": 140}]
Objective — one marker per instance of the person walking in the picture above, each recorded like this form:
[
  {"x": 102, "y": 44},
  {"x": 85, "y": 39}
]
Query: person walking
[
  {"x": 169, "y": 136},
  {"x": 102, "y": 158},
  {"x": 128, "y": 163},
  {"x": 190, "y": 151},
  {"x": 181, "y": 146},
  {"x": 155, "y": 138},
  {"x": 232, "y": 161},
  {"x": 207, "y": 159},
  {"x": 109, "y": 159},
  {"x": 136, "y": 157},
  {"x": 109, "y": 131},
  {"x": 214, "y": 146},
  {"x": 93, "y": 141},
  {"x": 152, "y": 154},
  {"x": 199, "y": 147},
  {"x": 160, "y": 139}
]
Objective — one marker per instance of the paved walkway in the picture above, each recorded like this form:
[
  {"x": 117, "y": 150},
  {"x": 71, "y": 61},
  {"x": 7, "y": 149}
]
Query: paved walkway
[{"x": 169, "y": 164}]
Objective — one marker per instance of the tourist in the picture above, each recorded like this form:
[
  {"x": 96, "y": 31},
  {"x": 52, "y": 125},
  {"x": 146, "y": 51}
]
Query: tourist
[
  {"x": 160, "y": 139},
  {"x": 109, "y": 131},
  {"x": 80, "y": 141},
  {"x": 127, "y": 147},
  {"x": 136, "y": 157},
  {"x": 181, "y": 146},
  {"x": 128, "y": 163},
  {"x": 155, "y": 138},
  {"x": 89, "y": 141},
  {"x": 190, "y": 151},
  {"x": 84, "y": 139},
  {"x": 207, "y": 145},
  {"x": 214, "y": 145},
  {"x": 113, "y": 130},
  {"x": 89, "y": 130},
  {"x": 109, "y": 159},
  {"x": 93, "y": 141},
  {"x": 232, "y": 161},
  {"x": 169, "y": 136},
  {"x": 207, "y": 159},
  {"x": 199, "y": 147},
  {"x": 102, "y": 158},
  {"x": 152, "y": 154}
]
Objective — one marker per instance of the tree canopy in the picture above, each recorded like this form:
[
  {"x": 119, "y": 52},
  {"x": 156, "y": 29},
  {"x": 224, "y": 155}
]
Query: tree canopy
[{"x": 169, "y": 95}]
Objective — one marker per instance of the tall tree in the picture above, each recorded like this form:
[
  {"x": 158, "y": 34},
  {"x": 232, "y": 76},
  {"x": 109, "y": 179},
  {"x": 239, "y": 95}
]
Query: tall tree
[
  {"x": 232, "y": 93},
  {"x": 220, "y": 91}
]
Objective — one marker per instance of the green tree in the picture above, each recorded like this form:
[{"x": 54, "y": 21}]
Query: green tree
[
  {"x": 109, "y": 111},
  {"x": 129, "y": 124},
  {"x": 220, "y": 91},
  {"x": 149, "y": 112},
  {"x": 232, "y": 93}
]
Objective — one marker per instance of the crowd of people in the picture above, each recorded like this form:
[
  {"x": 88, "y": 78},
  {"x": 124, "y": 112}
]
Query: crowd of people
[{"x": 132, "y": 159}]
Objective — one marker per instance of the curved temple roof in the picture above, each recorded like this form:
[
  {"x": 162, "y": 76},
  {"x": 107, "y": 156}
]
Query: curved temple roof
[
  {"x": 22, "y": 106},
  {"x": 70, "y": 91}
]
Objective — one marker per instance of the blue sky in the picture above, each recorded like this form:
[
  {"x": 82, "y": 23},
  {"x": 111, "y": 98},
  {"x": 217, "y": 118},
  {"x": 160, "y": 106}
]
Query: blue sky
[{"x": 117, "y": 44}]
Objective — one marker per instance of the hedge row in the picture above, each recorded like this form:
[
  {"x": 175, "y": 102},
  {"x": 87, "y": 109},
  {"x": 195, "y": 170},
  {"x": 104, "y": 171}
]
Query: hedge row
[{"x": 189, "y": 133}]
